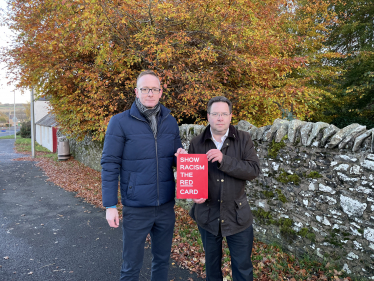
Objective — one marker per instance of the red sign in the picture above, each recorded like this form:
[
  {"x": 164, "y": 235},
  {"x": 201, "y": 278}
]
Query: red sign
[{"x": 192, "y": 176}]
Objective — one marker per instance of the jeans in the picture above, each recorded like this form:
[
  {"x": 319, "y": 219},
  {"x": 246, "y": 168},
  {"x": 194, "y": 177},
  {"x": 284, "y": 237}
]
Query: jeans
[
  {"x": 137, "y": 223},
  {"x": 240, "y": 246}
]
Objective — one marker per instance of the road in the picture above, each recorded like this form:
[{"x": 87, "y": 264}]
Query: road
[
  {"x": 8, "y": 132},
  {"x": 48, "y": 234}
]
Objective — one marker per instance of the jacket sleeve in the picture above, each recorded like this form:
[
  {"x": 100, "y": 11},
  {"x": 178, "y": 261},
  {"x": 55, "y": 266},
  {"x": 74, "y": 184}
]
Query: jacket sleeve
[
  {"x": 246, "y": 168},
  {"x": 177, "y": 144},
  {"x": 111, "y": 161}
]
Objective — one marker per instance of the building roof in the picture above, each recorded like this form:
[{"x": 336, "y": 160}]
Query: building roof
[
  {"x": 47, "y": 121},
  {"x": 43, "y": 99}
]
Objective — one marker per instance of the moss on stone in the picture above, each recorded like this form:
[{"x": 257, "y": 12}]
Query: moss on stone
[
  {"x": 294, "y": 178},
  {"x": 263, "y": 216},
  {"x": 311, "y": 236},
  {"x": 314, "y": 175},
  {"x": 285, "y": 225},
  {"x": 286, "y": 178},
  {"x": 283, "y": 177},
  {"x": 333, "y": 238},
  {"x": 307, "y": 233},
  {"x": 303, "y": 232},
  {"x": 268, "y": 194},
  {"x": 281, "y": 196},
  {"x": 286, "y": 222},
  {"x": 191, "y": 131},
  {"x": 274, "y": 148}
]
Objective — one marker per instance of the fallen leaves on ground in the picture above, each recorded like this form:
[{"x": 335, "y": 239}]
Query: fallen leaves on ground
[{"x": 269, "y": 262}]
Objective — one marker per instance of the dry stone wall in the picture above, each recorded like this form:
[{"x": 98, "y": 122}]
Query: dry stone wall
[
  {"x": 87, "y": 152},
  {"x": 315, "y": 194}
]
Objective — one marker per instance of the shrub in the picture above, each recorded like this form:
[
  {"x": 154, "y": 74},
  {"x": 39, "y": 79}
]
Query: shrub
[{"x": 26, "y": 129}]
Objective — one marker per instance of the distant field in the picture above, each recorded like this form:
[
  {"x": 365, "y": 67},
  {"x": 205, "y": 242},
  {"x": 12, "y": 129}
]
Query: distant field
[
  {"x": 10, "y": 107},
  {"x": 5, "y": 109}
]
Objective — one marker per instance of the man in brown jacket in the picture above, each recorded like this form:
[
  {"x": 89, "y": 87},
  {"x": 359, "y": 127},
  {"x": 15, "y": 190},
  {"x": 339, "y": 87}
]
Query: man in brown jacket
[{"x": 232, "y": 160}]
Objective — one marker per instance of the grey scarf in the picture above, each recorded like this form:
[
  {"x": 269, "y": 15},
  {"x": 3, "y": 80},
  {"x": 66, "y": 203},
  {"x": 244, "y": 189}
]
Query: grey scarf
[{"x": 150, "y": 114}]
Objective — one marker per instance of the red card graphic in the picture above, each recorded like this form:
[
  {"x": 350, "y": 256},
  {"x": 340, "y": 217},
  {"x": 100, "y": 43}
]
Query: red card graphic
[{"x": 192, "y": 176}]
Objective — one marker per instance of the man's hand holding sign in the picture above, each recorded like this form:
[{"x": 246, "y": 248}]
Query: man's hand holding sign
[
  {"x": 226, "y": 212},
  {"x": 192, "y": 174},
  {"x": 212, "y": 155}
]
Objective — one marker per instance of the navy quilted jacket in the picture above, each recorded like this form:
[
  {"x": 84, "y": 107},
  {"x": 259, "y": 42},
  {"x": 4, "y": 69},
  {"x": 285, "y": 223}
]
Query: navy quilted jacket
[{"x": 142, "y": 162}]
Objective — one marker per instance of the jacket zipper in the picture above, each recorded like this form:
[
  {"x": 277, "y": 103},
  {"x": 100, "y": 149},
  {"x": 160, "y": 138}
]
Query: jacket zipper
[{"x": 158, "y": 187}]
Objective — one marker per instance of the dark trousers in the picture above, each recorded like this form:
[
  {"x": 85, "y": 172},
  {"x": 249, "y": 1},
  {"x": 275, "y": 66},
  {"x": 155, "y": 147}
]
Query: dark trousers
[
  {"x": 137, "y": 223},
  {"x": 240, "y": 246}
]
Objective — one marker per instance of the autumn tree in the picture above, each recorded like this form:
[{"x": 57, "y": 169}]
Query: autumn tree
[
  {"x": 86, "y": 55},
  {"x": 353, "y": 93},
  {"x": 3, "y": 117},
  {"x": 26, "y": 108}
]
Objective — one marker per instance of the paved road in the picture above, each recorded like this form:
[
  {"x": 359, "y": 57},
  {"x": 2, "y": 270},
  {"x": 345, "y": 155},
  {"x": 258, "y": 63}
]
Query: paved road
[
  {"x": 8, "y": 132},
  {"x": 48, "y": 234}
]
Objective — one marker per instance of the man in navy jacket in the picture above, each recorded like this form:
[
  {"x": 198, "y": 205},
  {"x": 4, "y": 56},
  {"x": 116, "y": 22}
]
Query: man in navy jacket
[{"x": 139, "y": 149}]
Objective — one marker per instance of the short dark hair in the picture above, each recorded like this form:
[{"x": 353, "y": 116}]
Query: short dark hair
[
  {"x": 146, "y": 72},
  {"x": 219, "y": 99}
]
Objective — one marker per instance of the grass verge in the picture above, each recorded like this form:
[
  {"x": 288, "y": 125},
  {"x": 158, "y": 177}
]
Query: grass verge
[
  {"x": 24, "y": 145},
  {"x": 7, "y": 137}
]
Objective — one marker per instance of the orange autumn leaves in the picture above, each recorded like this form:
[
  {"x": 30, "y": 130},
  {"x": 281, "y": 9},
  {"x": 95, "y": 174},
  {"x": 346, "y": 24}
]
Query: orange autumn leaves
[{"x": 86, "y": 54}]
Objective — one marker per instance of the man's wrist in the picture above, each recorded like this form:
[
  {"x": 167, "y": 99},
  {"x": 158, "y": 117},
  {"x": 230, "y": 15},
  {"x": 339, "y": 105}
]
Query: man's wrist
[{"x": 111, "y": 207}]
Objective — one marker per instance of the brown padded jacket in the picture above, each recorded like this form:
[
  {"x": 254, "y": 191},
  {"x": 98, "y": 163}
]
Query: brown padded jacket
[{"x": 226, "y": 209}]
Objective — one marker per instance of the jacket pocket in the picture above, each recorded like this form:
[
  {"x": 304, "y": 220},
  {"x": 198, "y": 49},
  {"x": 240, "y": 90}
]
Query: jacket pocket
[
  {"x": 202, "y": 213},
  {"x": 243, "y": 211},
  {"x": 131, "y": 186}
]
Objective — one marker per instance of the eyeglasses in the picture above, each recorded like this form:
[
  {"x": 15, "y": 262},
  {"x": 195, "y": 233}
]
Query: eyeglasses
[
  {"x": 216, "y": 114},
  {"x": 145, "y": 91}
]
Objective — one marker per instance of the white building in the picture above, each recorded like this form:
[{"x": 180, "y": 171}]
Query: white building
[
  {"x": 46, "y": 132},
  {"x": 41, "y": 108}
]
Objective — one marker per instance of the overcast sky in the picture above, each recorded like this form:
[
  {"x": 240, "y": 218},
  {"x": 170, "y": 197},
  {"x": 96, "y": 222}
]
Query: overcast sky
[{"x": 6, "y": 91}]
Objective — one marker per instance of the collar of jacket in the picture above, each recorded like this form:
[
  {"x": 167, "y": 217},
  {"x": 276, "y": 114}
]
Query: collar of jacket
[
  {"x": 208, "y": 136},
  {"x": 134, "y": 112}
]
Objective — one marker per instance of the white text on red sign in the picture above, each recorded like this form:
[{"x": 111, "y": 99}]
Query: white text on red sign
[
  {"x": 188, "y": 182},
  {"x": 191, "y": 167}
]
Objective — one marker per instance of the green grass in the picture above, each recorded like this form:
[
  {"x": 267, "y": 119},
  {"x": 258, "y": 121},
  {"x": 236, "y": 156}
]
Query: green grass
[
  {"x": 8, "y": 137},
  {"x": 24, "y": 145}
]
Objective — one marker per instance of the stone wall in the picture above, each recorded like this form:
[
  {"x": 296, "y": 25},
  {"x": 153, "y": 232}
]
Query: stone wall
[
  {"x": 315, "y": 194},
  {"x": 87, "y": 152}
]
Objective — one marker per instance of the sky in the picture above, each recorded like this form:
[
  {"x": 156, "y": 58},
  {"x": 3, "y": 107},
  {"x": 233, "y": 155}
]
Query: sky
[{"x": 7, "y": 92}]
